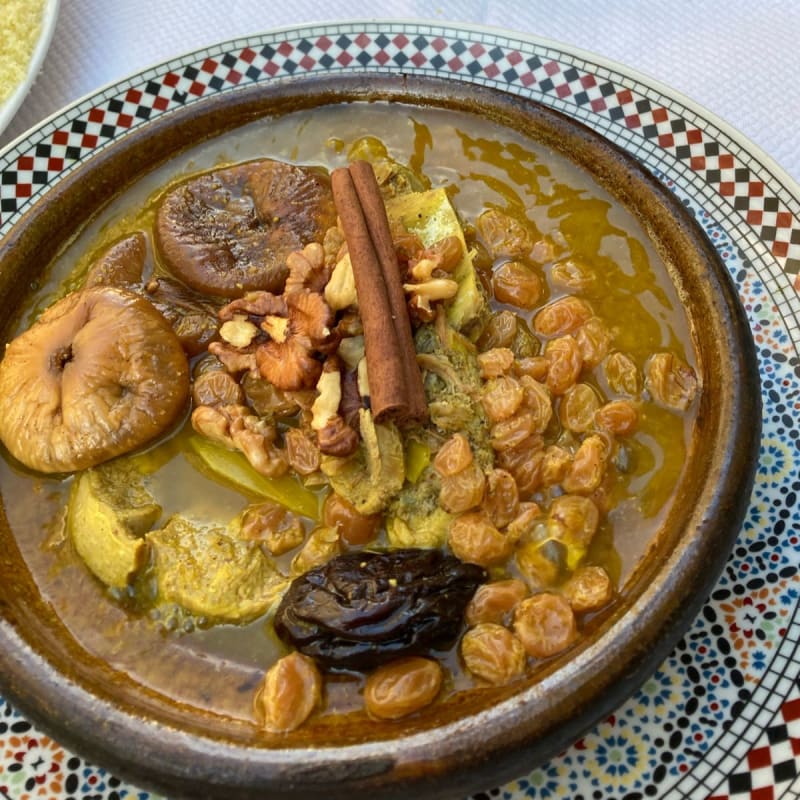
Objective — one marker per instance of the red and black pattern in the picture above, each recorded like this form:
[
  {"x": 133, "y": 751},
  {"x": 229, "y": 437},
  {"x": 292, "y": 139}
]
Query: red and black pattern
[{"x": 510, "y": 65}]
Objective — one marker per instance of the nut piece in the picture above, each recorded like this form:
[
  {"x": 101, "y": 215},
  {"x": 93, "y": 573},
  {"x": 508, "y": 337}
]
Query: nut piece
[
  {"x": 402, "y": 687},
  {"x": 493, "y": 653},
  {"x": 545, "y": 624},
  {"x": 290, "y": 691}
]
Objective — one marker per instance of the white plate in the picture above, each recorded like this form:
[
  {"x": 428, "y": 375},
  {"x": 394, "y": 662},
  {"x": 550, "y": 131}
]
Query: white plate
[
  {"x": 721, "y": 717},
  {"x": 9, "y": 108}
]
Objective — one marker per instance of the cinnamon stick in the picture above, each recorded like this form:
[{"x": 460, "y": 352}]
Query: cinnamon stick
[
  {"x": 375, "y": 212},
  {"x": 395, "y": 382}
]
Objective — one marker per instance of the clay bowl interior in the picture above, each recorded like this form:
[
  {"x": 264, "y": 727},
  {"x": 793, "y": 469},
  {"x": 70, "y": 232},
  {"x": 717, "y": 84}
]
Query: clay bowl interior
[{"x": 482, "y": 738}]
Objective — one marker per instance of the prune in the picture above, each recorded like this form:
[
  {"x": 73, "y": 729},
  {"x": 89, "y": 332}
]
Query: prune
[{"x": 362, "y": 609}]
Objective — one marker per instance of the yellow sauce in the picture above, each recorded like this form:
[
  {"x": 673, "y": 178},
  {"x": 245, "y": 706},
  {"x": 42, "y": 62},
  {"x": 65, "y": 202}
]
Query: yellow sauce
[{"x": 483, "y": 166}]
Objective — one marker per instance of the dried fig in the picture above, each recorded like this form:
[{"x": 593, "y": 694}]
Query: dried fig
[
  {"x": 99, "y": 374},
  {"x": 230, "y": 230}
]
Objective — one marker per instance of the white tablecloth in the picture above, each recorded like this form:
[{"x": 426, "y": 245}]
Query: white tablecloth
[{"x": 741, "y": 60}]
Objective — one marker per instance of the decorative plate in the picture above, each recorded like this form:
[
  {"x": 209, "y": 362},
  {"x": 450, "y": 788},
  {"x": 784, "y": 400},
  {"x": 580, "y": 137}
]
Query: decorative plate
[
  {"x": 47, "y": 27},
  {"x": 721, "y": 716}
]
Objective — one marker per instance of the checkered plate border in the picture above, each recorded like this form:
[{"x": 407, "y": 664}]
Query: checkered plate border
[{"x": 720, "y": 720}]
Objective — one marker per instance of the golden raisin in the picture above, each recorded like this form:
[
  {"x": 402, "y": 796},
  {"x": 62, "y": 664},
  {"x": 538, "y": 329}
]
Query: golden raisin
[
  {"x": 499, "y": 331},
  {"x": 588, "y": 589},
  {"x": 354, "y": 527},
  {"x": 537, "y": 399},
  {"x": 545, "y": 624},
  {"x": 573, "y": 519},
  {"x": 272, "y": 525},
  {"x": 511, "y": 432},
  {"x": 474, "y": 539},
  {"x": 524, "y": 462},
  {"x": 622, "y": 374},
  {"x": 501, "y": 500},
  {"x": 504, "y": 236},
  {"x": 516, "y": 284},
  {"x": 588, "y": 466},
  {"x": 462, "y": 491},
  {"x": 290, "y": 691},
  {"x": 493, "y": 653},
  {"x": 533, "y": 366},
  {"x": 541, "y": 563},
  {"x": 619, "y": 417},
  {"x": 564, "y": 364},
  {"x": 572, "y": 275},
  {"x": 555, "y": 465},
  {"x": 530, "y": 515},
  {"x": 453, "y": 456},
  {"x": 564, "y": 315},
  {"x": 402, "y": 687},
  {"x": 216, "y": 387},
  {"x": 577, "y": 408},
  {"x": 671, "y": 381},
  {"x": 495, "y": 362},
  {"x": 322, "y": 545},
  {"x": 593, "y": 338},
  {"x": 501, "y": 397},
  {"x": 447, "y": 253},
  {"x": 493, "y": 602},
  {"x": 302, "y": 452}
]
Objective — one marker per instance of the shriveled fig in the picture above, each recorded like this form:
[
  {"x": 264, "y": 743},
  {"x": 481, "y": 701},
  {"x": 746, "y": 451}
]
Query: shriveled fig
[
  {"x": 230, "y": 230},
  {"x": 126, "y": 263},
  {"x": 121, "y": 265},
  {"x": 99, "y": 374}
]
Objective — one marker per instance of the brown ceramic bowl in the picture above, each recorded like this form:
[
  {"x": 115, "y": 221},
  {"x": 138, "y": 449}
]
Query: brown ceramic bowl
[{"x": 480, "y": 739}]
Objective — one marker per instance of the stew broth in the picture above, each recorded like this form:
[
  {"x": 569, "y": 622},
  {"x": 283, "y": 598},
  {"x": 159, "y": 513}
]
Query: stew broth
[{"x": 573, "y": 221}]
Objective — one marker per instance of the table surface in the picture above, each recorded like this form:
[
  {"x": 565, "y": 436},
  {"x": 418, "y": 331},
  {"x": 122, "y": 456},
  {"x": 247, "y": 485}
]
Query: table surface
[{"x": 738, "y": 60}]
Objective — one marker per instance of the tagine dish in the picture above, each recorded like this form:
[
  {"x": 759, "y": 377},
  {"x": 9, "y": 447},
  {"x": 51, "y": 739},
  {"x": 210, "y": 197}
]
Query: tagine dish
[{"x": 373, "y": 427}]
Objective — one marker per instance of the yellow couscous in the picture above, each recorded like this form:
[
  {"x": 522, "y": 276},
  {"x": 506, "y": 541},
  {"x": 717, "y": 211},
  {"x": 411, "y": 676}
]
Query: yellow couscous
[{"x": 20, "y": 24}]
